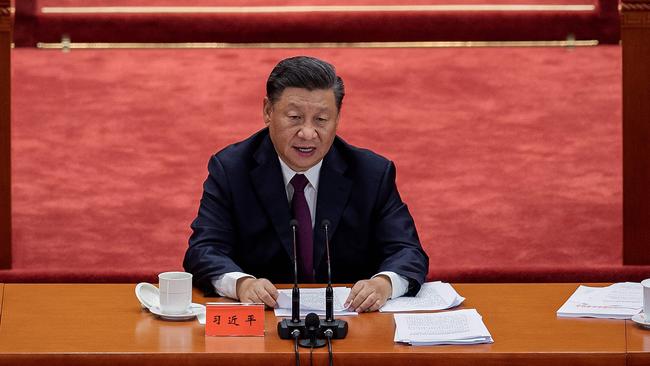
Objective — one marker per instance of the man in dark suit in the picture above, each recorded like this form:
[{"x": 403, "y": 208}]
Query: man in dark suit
[{"x": 297, "y": 168}]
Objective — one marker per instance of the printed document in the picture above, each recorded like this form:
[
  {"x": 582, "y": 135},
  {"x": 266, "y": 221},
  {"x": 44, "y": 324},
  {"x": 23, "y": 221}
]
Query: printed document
[
  {"x": 449, "y": 327},
  {"x": 312, "y": 300},
  {"x": 618, "y": 301},
  {"x": 432, "y": 296}
]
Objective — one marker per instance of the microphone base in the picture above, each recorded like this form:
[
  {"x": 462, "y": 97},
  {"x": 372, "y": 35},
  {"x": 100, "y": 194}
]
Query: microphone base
[
  {"x": 286, "y": 326},
  {"x": 309, "y": 343},
  {"x": 339, "y": 328}
]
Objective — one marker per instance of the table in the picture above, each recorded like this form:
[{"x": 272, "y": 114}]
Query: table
[
  {"x": 79, "y": 324},
  {"x": 638, "y": 344}
]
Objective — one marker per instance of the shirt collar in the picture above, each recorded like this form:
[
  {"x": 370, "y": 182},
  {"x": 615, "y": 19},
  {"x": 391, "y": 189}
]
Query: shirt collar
[{"x": 312, "y": 174}]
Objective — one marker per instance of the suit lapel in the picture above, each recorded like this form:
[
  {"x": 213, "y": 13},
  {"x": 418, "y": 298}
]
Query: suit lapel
[
  {"x": 333, "y": 193},
  {"x": 269, "y": 185}
]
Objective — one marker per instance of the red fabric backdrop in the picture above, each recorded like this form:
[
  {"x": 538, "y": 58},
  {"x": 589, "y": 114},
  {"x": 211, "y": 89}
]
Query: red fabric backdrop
[{"x": 509, "y": 158}]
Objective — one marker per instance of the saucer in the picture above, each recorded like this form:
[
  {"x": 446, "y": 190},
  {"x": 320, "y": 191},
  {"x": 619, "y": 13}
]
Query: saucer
[
  {"x": 641, "y": 319},
  {"x": 193, "y": 311},
  {"x": 147, "y": 294}
]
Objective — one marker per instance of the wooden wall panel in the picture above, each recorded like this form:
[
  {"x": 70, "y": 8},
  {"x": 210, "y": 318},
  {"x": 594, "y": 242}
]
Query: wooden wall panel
[
  {"x": 635, "y": 37},
  {"x": 5, "y": 135}
]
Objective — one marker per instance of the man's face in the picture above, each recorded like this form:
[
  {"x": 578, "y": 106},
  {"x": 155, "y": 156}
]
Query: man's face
[{"x": 302, "y": 125}]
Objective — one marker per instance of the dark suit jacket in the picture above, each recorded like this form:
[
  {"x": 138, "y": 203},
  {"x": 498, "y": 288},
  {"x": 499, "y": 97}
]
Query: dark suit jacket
[{"x": 243, "y": 219}]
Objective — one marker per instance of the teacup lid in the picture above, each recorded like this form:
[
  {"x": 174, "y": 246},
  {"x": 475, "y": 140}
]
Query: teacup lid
[{"x": 148, "y": 294}]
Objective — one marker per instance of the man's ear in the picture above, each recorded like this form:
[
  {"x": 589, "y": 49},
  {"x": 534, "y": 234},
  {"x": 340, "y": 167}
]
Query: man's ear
[{"x": 266, "y": 111}]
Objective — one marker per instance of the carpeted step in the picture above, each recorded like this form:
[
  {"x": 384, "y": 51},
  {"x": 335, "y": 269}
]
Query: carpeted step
[{"x": 309, "y": 21}]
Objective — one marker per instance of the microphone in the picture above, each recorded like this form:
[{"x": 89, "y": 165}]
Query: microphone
[
  {"x": 313, "y": 328},
  {"x": 329, "y": 292},
  {"x": 337, "y": 328},
  {"x": 295, "y": 292},
  {"x": 287, "y": 328}
]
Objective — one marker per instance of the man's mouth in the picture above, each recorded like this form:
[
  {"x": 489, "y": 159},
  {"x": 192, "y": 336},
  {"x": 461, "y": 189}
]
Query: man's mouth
[{"x": 305, "y": 150}]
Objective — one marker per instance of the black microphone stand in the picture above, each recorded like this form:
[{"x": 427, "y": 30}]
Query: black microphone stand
[
  {"x": 338, "y": 328},
  {"x": 287, "y": 328},
  {"x": 313, "y": 329}
]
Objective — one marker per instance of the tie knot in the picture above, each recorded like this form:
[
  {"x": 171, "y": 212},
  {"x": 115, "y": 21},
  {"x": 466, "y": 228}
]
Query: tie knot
[{"x": 299, "y": 181}]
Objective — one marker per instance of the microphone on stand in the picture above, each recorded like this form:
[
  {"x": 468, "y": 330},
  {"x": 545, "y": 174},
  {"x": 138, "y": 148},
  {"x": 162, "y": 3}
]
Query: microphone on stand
[
  {"x": 295, "y": 292},
  {"x": 313, "y": 328},
  {"x": 329, "y": 291},
  {"x": 287, "y": 328},
  {"x": 338, "y": 328}
]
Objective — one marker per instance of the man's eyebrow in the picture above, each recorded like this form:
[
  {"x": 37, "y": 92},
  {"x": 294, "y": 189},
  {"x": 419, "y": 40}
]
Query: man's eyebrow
[
  {"x": 324, "y": 108},
  {"x": 293, "y": 105}
]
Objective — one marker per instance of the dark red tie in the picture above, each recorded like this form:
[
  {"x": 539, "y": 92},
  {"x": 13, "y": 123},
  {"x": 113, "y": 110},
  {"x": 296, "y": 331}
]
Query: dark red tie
[{"x": 305, "y": 232}]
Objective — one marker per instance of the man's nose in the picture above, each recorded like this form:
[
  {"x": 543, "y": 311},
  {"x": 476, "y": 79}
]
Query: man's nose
[{"x": 307, "y": 131}]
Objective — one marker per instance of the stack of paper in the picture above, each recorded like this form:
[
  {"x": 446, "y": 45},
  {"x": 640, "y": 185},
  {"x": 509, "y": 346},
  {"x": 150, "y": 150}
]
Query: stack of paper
[
  {"x": 312, "y": 300},
  {"x": 451, "y": 327},
  {"x": 432, "y": 296},
  {"x": 618, "y": 301}
]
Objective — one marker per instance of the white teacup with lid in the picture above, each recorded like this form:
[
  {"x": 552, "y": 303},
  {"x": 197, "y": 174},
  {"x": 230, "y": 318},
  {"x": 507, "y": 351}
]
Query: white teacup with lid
[
  {"x": 646, "y": 299},
  {"x": 175, "y": 292}
]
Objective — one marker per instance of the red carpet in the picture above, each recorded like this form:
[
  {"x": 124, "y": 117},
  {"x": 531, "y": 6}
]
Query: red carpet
[
  {"x": 34, "y": 23},
  {"x": 510, "y": 159}
]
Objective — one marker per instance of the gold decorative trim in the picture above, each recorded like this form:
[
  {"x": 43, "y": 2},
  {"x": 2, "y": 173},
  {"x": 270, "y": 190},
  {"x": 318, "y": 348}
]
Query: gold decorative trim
[
  {"x": 635, "y": 6},
  {"x": 6, "y": 11},
  {"x": 310, "y": 9},
  {"x": 72, "y": 45},
  {"x": 5, "y": 16},
  {"x": 635, "y": 14}
]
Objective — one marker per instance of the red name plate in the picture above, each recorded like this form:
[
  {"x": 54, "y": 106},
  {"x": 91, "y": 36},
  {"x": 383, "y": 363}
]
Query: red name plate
[{"x": 234, "y": 319}]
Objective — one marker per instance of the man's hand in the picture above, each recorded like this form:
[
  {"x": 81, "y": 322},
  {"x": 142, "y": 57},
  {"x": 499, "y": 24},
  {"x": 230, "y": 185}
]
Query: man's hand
[
  {"x": 369, "y": 295},
  {"x": 257, "y": 290}
]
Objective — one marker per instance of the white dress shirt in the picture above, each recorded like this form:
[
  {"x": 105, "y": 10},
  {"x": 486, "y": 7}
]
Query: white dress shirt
[{"x": 226, "y": 284}]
